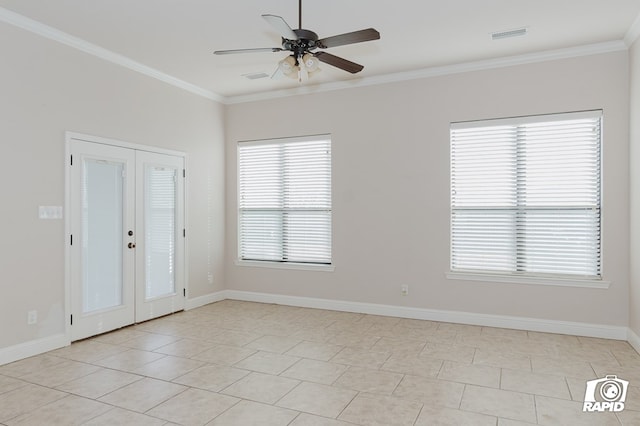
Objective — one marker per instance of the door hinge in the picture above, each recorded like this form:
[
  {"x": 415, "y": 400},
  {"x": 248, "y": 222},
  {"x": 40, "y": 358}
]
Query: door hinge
[
  {"x": 71, "y": 319},
  {"x": 71, "y": 239},
  {"x": 184, "y": 173},
  {"x": 184, "y": 233},
  {"x": 72, "y": 160},
  {"x": 184, "y": 292}
]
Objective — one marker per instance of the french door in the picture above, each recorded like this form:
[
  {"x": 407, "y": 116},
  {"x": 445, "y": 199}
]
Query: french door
[{"x": 127, "y": 236}]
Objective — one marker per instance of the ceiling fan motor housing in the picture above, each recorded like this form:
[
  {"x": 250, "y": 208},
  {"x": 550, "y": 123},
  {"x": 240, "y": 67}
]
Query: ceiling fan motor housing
[{"x": 307, "y": 41}]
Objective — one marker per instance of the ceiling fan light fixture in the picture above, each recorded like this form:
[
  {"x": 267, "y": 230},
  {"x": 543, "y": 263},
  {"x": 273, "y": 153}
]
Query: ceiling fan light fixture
[
  {"x": 311, "y": 63},
  {"x": 289, "y": 67}
]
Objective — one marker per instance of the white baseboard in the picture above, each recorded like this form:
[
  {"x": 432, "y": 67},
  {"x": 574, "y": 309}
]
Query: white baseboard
[
  {"x": 197, "y": 302},
  {"x": 633, "y": 340},
  {"x": 517, "y": 323},
  {"x": 32, "y": 348}
]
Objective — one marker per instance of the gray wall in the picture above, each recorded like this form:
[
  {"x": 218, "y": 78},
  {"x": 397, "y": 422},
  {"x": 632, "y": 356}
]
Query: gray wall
[
  {"x": 391, "y": 187},
  {"x": 634, "y": 158},
  {"x": 46, "y": 89}
]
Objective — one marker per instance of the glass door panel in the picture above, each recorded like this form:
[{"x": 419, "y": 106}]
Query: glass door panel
[
  {"x": 102, "y": 234},
  {"x": 160, "y": 231}
]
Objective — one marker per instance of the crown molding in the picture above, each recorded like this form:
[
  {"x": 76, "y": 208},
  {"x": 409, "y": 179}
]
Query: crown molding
[
  {"x": 550, "y": 55},
  {"x": 51, "y": 33},
  {"x": 633, "y": 33}
]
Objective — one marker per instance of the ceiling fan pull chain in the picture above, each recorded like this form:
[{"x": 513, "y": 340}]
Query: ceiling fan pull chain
[{"x": 299, "y": 14}]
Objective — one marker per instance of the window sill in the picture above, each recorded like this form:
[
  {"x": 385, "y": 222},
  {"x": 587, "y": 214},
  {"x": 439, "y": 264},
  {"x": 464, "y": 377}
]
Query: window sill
[
  {"x": 549, "y": 281},
  {"x": 285, "y": 265}
]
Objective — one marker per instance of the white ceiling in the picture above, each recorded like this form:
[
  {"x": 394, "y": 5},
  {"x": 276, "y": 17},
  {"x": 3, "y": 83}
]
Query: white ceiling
[{"x": 177, "y": 37}]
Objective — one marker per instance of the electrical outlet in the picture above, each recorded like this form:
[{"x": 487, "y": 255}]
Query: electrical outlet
[
  {"x": 32, "y": 317},
  {"x": 404, "y": 290}
]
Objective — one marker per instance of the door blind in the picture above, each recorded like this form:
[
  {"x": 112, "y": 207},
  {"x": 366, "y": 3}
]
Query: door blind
[
  {"x": 284, "y": 189},
  {"x": 525, "y": 195}
]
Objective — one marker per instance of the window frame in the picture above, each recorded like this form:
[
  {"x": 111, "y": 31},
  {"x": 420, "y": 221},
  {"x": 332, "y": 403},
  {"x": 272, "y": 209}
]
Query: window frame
[
  {"x": 528, "y": 277},
  {"x": 284, "y": 263}
]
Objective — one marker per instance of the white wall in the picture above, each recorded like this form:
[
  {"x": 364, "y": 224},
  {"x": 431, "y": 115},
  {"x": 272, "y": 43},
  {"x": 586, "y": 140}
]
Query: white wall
[
  {"x": 634, "y": 159},
  {"x": 46, "y": 89},
  {"x": 391, "y": 187}
]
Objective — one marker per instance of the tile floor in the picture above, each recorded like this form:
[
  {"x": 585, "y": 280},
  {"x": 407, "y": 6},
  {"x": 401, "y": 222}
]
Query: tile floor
[{"x": 241, "y": 363}]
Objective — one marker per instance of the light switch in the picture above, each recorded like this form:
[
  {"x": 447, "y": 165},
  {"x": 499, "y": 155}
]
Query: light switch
[{"x": 50, "y": 212}]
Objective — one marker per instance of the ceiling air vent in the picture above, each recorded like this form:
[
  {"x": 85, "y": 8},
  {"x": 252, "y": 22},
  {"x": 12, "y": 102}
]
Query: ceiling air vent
[
  {"x": 509, "y": 33},
  {"x": 255, "y": 75}
]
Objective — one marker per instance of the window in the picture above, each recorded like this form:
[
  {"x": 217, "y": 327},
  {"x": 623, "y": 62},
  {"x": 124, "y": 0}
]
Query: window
[
  {"x": 284, "y": 189},
  {"x": 525, "y": 196}
]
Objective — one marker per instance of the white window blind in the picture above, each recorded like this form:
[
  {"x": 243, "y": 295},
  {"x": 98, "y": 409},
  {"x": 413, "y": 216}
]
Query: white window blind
[
  {"x": 284, "y": 189},
  {"x": 525, "y": 195}
]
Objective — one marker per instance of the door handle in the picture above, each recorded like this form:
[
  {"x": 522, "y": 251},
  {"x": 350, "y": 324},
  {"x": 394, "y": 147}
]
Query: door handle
[{"x": 131, "y": 245}]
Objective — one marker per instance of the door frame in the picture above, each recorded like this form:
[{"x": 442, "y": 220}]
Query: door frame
[{"x": 69, "y": 136}]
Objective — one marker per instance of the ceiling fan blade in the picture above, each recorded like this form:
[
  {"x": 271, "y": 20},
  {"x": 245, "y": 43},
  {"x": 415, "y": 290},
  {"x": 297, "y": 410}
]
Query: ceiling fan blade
[
  {"x": 339, "y": 62},
  {"x": 281, "y": 26},
  {"x": 261, "y": 49},
  {"x": 349, "y": 38}
]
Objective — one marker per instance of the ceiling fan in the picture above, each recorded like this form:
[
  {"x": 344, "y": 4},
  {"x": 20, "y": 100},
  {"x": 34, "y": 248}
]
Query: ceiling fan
[{"x": 303, "y": 45}]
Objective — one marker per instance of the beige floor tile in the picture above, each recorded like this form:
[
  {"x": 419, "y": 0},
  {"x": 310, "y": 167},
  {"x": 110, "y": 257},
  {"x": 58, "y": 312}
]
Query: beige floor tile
[
  {"x": 60, "y": 373},
  {"x": 314, "y": 350},
  {"x": 118, "y": 337},
  {"x": 399, "y": 345},
  {"x": 312, "y": 370},
  {"x": 370, "y": 381},
  {"x": 512, "y": 361},
  {"x": 321, "y": 400},
  {"x": 25, "y": 400},
  {"x": 457, "y": 353},
  {"x": 504, "y": 332},
  {"x": 142, "y": 395},
  {"x": 9, "y": 383},
  {"x": 69, "y": 411},
  {"x": 630, "y": 418},
  {"x": 361, "y": 358},
  {"x": 225, "y": 355},
  {"x": 168, "y": 368},
  {"x": 534, "y": 383},
  {"x": 353, "y": 340},
  {"x": 261, "y": 387},
  {"x": 129, "y": 360},
  {"x": 185, "y": 348},
  {"x": 553, "y": 412},
  {"x": 234, "y": 338},
  {"x": 305, "y": 419},
  {"x": 314, "y": 334},
  {"x": 430, "y": 391},
  {"x": 193, "y": 407},
  {"x": 30, "y": 365},
  {"x": 560, "y": 367},
  {"x": 470, "y": 374},
  {"x": 461, "y": 329},
  {"x": 418, "y": 324},
  {"x": 276, "y": 344},
  {"x": 499, "y": 403},
  {"x": 87, "y": 351},
  {"x": 100, "y": 383},
  {"x": 577, "y": 388},
  {"x": 377, "y": 410},
  {"x": 149, "y": 341},
  {"x": 121, "y": 417},
  {"x": 508, "y": 422},
  {"x": 248, "y": 413},
  {"x": 267, "y": 362},
  {"x": 211, "y": 377},
  {"x": 442, "y": 416},
  {"x": 413, "y": 365},
  {"x": 631, "y": 374}
]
